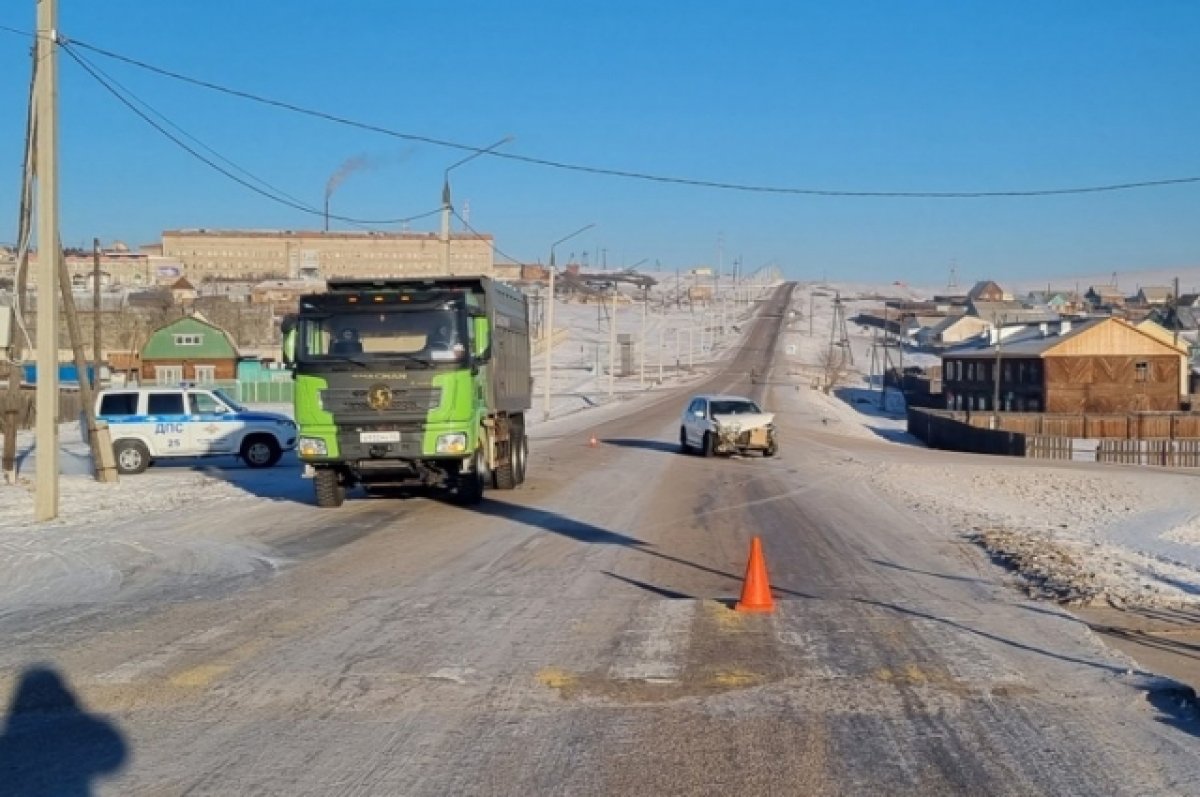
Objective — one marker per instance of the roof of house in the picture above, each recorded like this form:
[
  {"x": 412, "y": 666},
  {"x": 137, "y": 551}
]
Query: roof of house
[
  {"x": 1159, "y": 293},
  {"x": 182, "y": 284},
  {"x": 1011, "y": 312},
  {"x": 983, "y": 286},
  {"x": 1106, "y": 292},
  {"x": 160, "y": 344},
  {"x": 1031, "y": 341}
]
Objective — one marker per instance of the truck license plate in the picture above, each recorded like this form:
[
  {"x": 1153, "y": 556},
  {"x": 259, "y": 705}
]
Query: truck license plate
[{"x": 379, "y": 437}]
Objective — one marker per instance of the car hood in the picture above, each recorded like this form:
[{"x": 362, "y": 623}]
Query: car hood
[
  {"x": 744, "y": 421},
  {"x": 256, "y": 416}
]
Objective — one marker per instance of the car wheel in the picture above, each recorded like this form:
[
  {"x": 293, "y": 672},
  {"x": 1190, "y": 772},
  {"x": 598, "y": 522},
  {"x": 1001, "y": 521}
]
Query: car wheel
[
  {"x": 708, "y": 446},
  {"x": 132, "y": 457},
  {"x": 684, "y": 448},
  {"x": 771, "y": 450},
  {"x": 261, "y": 451},
  {"x": 328, "y": 487}
]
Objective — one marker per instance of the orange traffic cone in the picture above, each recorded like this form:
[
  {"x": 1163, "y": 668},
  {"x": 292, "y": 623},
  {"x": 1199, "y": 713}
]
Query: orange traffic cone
[
  {"x": 756, "y": 591},
  {"x": 593, "y": 442}
]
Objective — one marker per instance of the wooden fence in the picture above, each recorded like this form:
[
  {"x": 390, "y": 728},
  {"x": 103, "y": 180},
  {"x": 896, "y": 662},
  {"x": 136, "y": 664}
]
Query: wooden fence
[
  {"x": 1117, "y": 426},
  {"x": 22, "y": 405},
  {"x": 955, "y": 432}
]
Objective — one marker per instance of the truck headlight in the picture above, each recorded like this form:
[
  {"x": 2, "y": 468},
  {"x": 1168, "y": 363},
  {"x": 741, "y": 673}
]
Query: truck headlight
[
  {"x": 312, "y": 447},
  {"x": 454, "y": 443}
]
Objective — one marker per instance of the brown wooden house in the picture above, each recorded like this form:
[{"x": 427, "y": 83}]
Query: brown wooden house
[{"x": 1095, "y": 365}]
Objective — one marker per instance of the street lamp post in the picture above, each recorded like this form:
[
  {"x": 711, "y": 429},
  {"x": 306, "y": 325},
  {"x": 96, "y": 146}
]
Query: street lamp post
[
  {"x": 549, "y": 334},
  {"x": 446, "y": 204}
]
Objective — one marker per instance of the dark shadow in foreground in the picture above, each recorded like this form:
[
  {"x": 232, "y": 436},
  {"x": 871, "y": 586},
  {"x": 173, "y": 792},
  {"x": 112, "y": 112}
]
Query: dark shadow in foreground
[{"x": 51, "y": 745}]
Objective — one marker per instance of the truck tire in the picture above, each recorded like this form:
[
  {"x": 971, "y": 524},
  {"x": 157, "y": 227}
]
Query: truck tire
[
  {"x": 522, "y": 455},
  {"x": 771, "y": 450},
  {"x": 505, "y": 475},
  {"x": 684, "y": 448},
  {"x": 329, "y": 488},
  {"x": 468, "y": 489},
  {"x": 132, "y": 457},
  {"x": 708, "y": 446},
  {"x": 260, "y": 451}
]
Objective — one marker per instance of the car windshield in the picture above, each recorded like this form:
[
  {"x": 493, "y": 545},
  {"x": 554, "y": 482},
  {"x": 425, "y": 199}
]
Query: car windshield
[
  {"x": 431, "y": 335},
  {"x": 734, "y": 407},
  {"x": 229, "y": 401}
]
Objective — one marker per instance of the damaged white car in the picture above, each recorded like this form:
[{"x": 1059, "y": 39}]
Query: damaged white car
[{"x": 727, "y": 425}]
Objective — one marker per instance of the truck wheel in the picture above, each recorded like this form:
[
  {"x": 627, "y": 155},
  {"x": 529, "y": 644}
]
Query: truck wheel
[
  {"x": 684, "y": 448},
  {"x": 771, "y": 450},
  {"x": 468, "y": 490},
  {"x": 261, "y": 451},
  {"x": 131, "y": 456},
  {"x": 522, "y": 454},
  {"x": 505, "y": 475},
  {"x": 329, "y": 488},
  {"x": 708, "y": 446}
]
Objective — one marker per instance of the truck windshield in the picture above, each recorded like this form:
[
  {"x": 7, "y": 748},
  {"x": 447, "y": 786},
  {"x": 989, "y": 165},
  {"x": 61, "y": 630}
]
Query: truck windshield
[{"x": 429, "y": 335}]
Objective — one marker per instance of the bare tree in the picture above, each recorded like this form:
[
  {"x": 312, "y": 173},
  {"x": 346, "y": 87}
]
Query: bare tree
[{"x": 834, "y": 368}]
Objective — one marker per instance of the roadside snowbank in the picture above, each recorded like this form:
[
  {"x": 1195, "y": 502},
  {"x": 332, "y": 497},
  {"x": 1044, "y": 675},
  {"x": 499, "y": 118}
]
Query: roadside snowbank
[{"x": 1076, "y": 533}]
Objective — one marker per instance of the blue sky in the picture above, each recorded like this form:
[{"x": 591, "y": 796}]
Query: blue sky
[{"x": 856, "y": 96}]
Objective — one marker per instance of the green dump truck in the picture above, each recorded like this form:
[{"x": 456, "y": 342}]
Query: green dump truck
[{"x": 403, "y": 382}]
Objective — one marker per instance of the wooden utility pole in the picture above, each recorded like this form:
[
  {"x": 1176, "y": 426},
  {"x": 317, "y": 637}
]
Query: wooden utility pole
[
  {"x": 96, "y": 344},
  {"x": 11, "y": 404},
  {"x": 46, "y": 432},
  {"x": 105, "y": 468}
]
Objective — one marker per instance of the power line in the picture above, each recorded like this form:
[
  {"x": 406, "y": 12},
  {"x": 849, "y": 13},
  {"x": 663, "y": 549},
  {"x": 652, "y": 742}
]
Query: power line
[
  {"x": 18, "y": 31},
  {"x": 270, "y": 192},
  {"x": 495, "y": 248},
  {"x": 644, "y": 176}
]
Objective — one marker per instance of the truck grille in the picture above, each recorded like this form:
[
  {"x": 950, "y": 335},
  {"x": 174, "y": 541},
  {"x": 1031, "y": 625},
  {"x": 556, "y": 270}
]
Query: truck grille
[{"x": 412, "y": 399}]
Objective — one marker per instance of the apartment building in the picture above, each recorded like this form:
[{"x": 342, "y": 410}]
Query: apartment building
[{"x": 298, "y": 254}]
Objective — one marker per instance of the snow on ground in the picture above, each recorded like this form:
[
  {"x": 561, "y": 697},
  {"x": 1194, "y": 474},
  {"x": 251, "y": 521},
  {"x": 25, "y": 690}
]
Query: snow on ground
[
  {"x": 1077, "y": 533},
  {"x": 1082, "y": 533},
  {"x": 106, "y": 534}
]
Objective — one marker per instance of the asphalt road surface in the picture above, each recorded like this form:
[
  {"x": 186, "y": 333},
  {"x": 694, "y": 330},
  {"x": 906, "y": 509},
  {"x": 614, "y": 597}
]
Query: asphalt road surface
[{"x": 576, "y": 637}]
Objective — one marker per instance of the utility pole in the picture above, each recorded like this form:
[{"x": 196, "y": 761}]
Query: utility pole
[
  {"x": 550, "y": 324},
  {"x": 11, "y": 402},
  {"x": 612, "y": 344},
  {"x": 105, "y": 468},
  {"x": 46, "y": 431},
  {"x": 446, "y": 203},
  {"x": 660, "y": 354},
  {"x": 95, "y": 314},
  {"x": 642, "y": 342},
  {"x": 996, "y": 376}
]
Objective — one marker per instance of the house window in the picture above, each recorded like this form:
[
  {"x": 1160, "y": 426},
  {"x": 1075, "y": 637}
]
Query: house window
[
  {"x": 206, "y": 374},
  {"x": 188, "y": 340},
  {"x": 1141, "y": 371},
  {"x": 168, "y": 374}
]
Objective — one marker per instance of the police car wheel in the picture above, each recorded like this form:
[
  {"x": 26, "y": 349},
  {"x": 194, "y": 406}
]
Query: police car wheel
[
  {"x": 260, "y": 451},
  {"x": 131, "y": 456}
]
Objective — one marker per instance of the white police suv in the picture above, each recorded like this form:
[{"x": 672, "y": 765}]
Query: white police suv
[{"x": 149, "y": 423}]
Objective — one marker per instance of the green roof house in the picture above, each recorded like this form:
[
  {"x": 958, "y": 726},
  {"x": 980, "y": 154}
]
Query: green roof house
[{"x": 189, "y": 349}]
